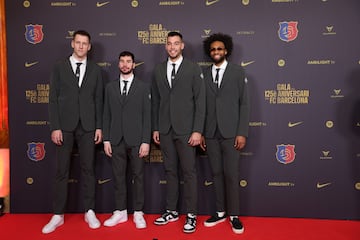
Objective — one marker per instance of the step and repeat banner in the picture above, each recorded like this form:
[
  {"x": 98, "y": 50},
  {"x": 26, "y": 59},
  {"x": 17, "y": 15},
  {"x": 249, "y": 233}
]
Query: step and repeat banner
[{"x": 302, "y": 60}]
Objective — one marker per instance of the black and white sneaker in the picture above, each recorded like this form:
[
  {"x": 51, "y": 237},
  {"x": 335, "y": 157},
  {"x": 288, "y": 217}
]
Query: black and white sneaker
[
  {"x": 236, "y": 225},
  {"x": 168, "y": 216},
  {"x": 214, "y": 220},
  {"x": 190, "y": 223}
]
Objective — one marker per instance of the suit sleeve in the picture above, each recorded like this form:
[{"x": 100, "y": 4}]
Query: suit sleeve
[
  {"x": 99, "y": 100},
  {"x": 155, "y": 104},
  {"x": 146, "y": 115},
  {"x": 243, "y": 125},
  {"x": 199, "y": 97},
  {"x": 54, "y": 116},
  {"x": 106, "y": 116}
]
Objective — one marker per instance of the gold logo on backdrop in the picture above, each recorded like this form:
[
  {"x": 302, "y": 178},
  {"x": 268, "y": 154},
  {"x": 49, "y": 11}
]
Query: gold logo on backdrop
[
  {"x": 162, "y": 182},
  {"x": 29, "y": 180},
  {"x": 138, "y": 64},
  {"x": 207, "y": 183},
  {"x": 73, "y": 180},
  {"x": 321, "y": 62},
  {"x": 134, "y": 3},
  {"x": 257, "y": 124},
  {"x": 70, "y": 35},
  {"x": 63, "y": 4},
  {"x": 245, "y": 2},
  {"x": 244, "y": 64},
  {"x": 156, "y": 34},
  {"x": 281, "y": 184},
  {"x": 329, "y": 30},
  {"x": 357, "y": 185},
  {"x": 211, "y": 2},
  {"x": 325, "y": 155},
  {"x": 329, "y": 124},
  {"x": 281, "y": 62},
  {"x": 294, "y": 124},
  {"x": 322, "y": 185},
  {"x": 101, "y": 4},
  {"x": 104, "y": 64},
  {"x": 243, "y": 183},
  {"x": 30, "y": 64},
  {"x": 337, "y": 94},
  {"x": 286, "y": 94},
  {"x": 103, "y": 181},
  {"x": 207, "y": 31},
  {"x": 26, "y": 4}
]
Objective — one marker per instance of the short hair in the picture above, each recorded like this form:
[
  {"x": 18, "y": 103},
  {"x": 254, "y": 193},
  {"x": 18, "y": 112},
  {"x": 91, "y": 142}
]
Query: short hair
[
  {"x": 173, "y": 34},
  {"x": 127, "y": 53},
  {"x": 224, "y": 38},
  {"x": 83, "y": 33}
]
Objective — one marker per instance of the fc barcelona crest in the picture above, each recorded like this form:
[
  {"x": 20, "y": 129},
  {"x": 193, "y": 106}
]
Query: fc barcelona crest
[
  {"x": 285, "y": 153},
  {"x": 288, "y": 31},
  {"x": 34, "y": 33},
  {"x": 36, "y": 151}
]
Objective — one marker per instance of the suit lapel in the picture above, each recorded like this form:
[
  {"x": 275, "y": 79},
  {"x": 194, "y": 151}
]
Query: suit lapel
[
  {"x": 71, "y": 73},
  {"x": 225, "y": 78},
  {"x": 211, "y": 81},
  {"x": 132, "y": 90}
]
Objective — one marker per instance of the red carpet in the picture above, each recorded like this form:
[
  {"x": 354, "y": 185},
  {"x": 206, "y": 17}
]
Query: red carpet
[{"x": 28, "y": 226}]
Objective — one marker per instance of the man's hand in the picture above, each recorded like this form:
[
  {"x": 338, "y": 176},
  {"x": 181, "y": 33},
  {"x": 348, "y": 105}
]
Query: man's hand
[
  {"x": 144, "y": 150},
  {"x": 194, "y": 139},
  {"x": 240, "y": 142},
  {"x": 107, "y": 149},
  {"x": 156, "y": 137},
  {"x": 57, "y": 137},
  {"x": 98, "y": 136}
]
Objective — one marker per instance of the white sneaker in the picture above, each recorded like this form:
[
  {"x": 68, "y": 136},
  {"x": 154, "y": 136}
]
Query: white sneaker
[
  {"x": 139, "y": 220},
  {"x": 91, "y": 219},
  {"x": 116, "y": 218},
  {"x": 55, "y": 221}
]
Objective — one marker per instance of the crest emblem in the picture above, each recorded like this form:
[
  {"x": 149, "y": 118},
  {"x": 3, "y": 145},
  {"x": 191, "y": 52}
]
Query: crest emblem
[
  {"x": 285, "y": 154},
  {"x": 34, "y": 33},
  {"x": 36, "y": 151},
  {"x": 288, "y": 31}
]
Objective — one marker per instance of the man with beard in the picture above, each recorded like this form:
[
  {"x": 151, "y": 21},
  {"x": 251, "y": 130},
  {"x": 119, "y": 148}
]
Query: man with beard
[
  {"x": 178, "y": 111},
  {"x": 127, "y": 133},
  {"x": 226, "y": 127}
]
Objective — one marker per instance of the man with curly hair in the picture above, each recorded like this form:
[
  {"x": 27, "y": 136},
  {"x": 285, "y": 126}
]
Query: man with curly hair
[{"x": 226, "y": 127}]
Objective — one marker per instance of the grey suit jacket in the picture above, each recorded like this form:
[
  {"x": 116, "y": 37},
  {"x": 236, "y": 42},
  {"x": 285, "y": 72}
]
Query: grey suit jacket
[
  {"x": 69, "y": 103},
  {"x": 181, "y": 107},
  {"x": 228, "y": 106},
  {"x": 127, "y": 117}
]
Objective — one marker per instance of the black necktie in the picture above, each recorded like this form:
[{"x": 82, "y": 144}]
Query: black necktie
[
  {"x": 216, "y": 81},
  {"x": 124, "y": 88},
  {"x": 173, "y": 75},
  {"x": 77, "y": 72}
]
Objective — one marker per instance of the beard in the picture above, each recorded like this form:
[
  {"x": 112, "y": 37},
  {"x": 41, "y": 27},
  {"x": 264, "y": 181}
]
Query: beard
[
  {"x": 218, "y": 60},
  {"x": 126, "y": 72}
]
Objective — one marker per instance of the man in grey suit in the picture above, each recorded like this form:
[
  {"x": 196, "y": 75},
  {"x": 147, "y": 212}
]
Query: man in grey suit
[
  {"x": 127, "y": 132},
  {"x": 178, "y": 111},
  {"x": 226, "y": 127},
  {"x": 75, "y": 113}
]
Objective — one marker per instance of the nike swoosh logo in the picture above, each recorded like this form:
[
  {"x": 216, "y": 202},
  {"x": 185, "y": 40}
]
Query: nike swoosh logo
[
  {"x": 290, "y": 124},
  {"x": 208, "y": 183},
  {"x": 138, "y": 64},
  {"x": 322, "y": 185},
  {"x": 101, "y": 4},
  {"x": 100, "y": 181},
  {"x": 208, "y": 3},
  {"x": 244, "y": 64},
  {"x": 30, "y": 64}
]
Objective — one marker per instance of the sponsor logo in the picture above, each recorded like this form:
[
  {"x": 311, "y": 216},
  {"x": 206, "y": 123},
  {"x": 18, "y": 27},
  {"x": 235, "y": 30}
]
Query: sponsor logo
[
  {"x": 285, "y": 154},
  {"x": 207, "y": 183},
  {"x": 291, "y": 124},
  {"x": 211, "y": 2},
  {"x": 101, "y": 4},
  {"x": 329, "y": 124},
  {"x": 103, "y": 181},
  {"x": 288, "y": 31},
  {"x": 322, "y": 185},
  {"x": 244, "y": 64},
  {"x": 337, "y": 94},
  {"x": 325, "y": 155},
  {"x": 138, "y": 64},
  {"x": 30, "y": 64},
  {"x": 281, "y": 184},
  {"x": 36, "y": 151},
  {"x": 34, "y": 33}
]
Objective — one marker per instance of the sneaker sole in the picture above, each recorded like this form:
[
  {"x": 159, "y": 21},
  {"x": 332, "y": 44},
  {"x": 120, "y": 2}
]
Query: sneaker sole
[
  {"x": 189, "y": 231},
  {"x": 206, "y": 224},
  {"x": 238, "y": 231},
  {"x": 164, "y": 223}
]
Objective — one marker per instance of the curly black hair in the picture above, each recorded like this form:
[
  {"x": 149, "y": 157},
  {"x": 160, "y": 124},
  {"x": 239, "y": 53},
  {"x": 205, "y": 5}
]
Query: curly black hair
[{"x": 224, "y": 38}]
